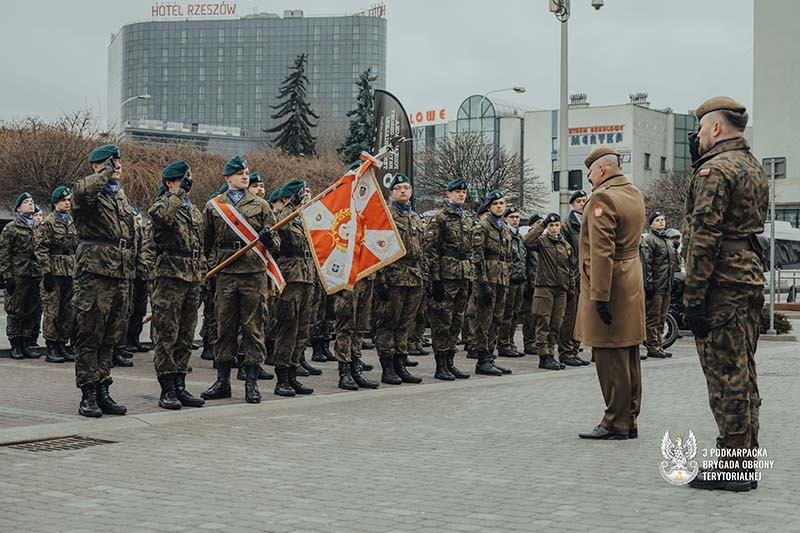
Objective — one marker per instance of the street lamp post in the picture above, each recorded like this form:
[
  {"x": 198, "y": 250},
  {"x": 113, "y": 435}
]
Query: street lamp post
[{"x": 131, "y": 99}]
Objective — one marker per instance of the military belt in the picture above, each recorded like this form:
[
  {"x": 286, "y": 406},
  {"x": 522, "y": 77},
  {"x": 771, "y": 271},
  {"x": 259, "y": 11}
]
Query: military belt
[
  {"x": 735, "y": 245},
  {"x": 621, "y": 254},
  {"x": 64, "y": 252},
  {"x": 121, "y": 243},
  {"x": 494, "y": 257},
  {"x": 305, "y": 254},
  {"x": 455, "y": 255},
  {"x": 190, "y": 254}
]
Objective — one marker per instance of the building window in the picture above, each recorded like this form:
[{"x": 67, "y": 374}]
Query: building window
[
  {"x": 201, "y": 110},
  {"x": 238, "y": 111},
  {"x": 646, "y": 161},
  {"x": 202, "y": 74},
  {"x": 219, "y": 92},
  {"x": 183, "y": 93},
  {"x": 219, "y": 111},
  {"x": 239, "y": 73},
  {"x": 258, "y": 91},
  {"x": 220, "y": 74},
  {"x": 221, "y": 36},
  {"x": 165, "y": 73},
  {"x": 663, "y": 167},
  {"x": 220, "y": 54},
  {"x": 183, "y": 36},
  {"x": 201, "y": 93}
]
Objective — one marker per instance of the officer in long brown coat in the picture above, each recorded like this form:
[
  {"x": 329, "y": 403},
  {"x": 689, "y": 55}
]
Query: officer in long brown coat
[{"x": 611, "y": 317}]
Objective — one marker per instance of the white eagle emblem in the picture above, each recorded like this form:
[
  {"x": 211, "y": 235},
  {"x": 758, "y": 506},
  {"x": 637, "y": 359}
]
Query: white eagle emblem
[{"x": 678, "y": 468}]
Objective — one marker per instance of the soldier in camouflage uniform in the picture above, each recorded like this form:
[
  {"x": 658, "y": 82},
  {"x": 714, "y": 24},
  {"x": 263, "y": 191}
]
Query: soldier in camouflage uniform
[
  {"x": 56, "y": 242},
  {"x": 139, "y": 294},
  {"x": 724, "y": 293},
  {"x": 321, "y": 325},
  {"x": 516, "y": 289},
  {"x": 657, "y": 264},
  {"x": 568, "y": 345},
  {"x": 491, "y": 258},
  {"x": 399, "y": 288},
  {"x": 352, "y": 310},
  {"x": 104, "y": 262},
  {"x": 239, "y": 296},
  {"x": 448, "y": 245},
  {"x": 22, "y": 273},
  {"x": 208, "y": 329},
  {"x": 271, "y": 324},
  {"x": 177, "y": 236},
  {"x": 528, "y": 318}
]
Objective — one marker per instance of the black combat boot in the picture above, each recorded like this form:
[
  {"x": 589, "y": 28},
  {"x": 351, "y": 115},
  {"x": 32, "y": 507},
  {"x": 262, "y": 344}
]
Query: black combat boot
[
  {"x": 119, "y": 360},
  {"x": 282, "y": 387},
  {"x": 16, "y": 349},
  {"x": 326, "y": 349},
  {"x": 107, "y": 403},
  {"x": 88, "y": 406},
  {"x": 168, "y": 399},
  {"x": 52, "y": 353},
  {"x": 264, "y": 374},
  {"x": 185, "y": 397},
  {"x": 65, "y": 352},
  {"x": 458, "y": 374},
  {"x": 388, "y": 376},
  {"x": 473, "y": 354},
  {"x": 502, "y": 369},
  {"x": 311, "y": 370},
  {"x": 298, "y": 387},
  {"x": 241, "y": 374},
  {"x": 345, "y": 379},
  {"x": 357, "y": 372},
  {"x": 318, "y": 355},
  {"x": 238, "y": 361},
  {"x": 442, "y": 370},
  {"x": 222, "y": 387},
  {"x": 485, "y": 367},
  {"x": 25, "y": 348},
  {"x": 405, "y": 376},
  {"x": 208, "y": 350},
  {"x": 366, "y": 367},
  {"x": 547, "y": 362},
  {"x": 251, "y": 392}
]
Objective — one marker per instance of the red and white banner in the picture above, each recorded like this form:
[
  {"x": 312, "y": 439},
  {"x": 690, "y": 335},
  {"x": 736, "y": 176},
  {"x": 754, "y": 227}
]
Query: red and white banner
[{"x": 245, "y": 231}]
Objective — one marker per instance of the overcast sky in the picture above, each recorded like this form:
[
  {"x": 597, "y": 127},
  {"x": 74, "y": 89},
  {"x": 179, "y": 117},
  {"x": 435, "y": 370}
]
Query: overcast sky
[{"x": 681, "y": 52}]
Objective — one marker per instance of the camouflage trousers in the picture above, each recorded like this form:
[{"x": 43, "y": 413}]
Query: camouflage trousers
[
  {"x": 415, "y": 337},
  {"x": 511, "y": 315},
  {"x": 395, "y": 319},
  {"x": 175, "y": 304},
  {"x": 568, "y": 345},
  {"x": 619, "y": 371},
  {"x": 208, "y": 330},
  {"x": 23, "y": 308},
  {"x": 352, "y": 310},
  {"x": 58, "y": 311},
  {"x": 468, "y": 325},
  {"x": 727, "y": 356},
  {"x": 101, "y": 314},
  {"x": 138, "y": 309},
  {"x": 239, "y": 304},
  {"x": 292, "y": 313},
  {"x": 528, "y": 321},
  {"x": 324, "y": 315},
  {"x": 656, "y": 308},
  {"x": 447, "y": 315},
  {"x": 548, "y": 306},
  {"x": 487, "y": 321}
]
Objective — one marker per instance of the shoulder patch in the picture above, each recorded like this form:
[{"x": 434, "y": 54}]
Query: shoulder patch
[
  {"x": 598, "y": 211},
  {"x": 704, "y": 172}
]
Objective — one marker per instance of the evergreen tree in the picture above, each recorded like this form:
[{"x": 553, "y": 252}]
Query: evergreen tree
[
  {"x": 294, "y": 132},
  {"x": 361, "y": 118}
]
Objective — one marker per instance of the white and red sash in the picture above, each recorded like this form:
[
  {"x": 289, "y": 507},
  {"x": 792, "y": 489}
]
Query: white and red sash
[{"x": 245, "y": 231}]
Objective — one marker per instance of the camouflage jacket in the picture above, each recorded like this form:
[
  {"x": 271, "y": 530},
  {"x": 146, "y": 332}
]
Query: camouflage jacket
[
  {"x": 491, "y": 251},
  {"x": 555, "y": 258},
  {"x": 220, "y": 241},
  {"x": 518, "y": 258},
  {"x": 177, "y": 238},
  {"x": 726, "y": 205},
  {"x": 409, "y": 270},
  {"x": 17, "y": 258},
  {"x": 106, "y": 229},
  {"x": 571, "y": 230},
  {"x": 294, "y": 259},
  {"x": 56, "y": 242},
  {"x": 658, "y": 258},
  {"x": 448, "y": 245},
  {"x": 148, "y": 252}
]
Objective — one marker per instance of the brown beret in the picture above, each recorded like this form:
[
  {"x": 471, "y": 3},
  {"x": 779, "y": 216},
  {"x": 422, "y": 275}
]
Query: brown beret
[
  {"x": 597, "y": 153},
  {"x": 719, "y": 103}
]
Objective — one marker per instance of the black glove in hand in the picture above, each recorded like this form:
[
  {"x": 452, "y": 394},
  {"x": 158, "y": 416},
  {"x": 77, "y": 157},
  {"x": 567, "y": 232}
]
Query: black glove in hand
[
  {"x": 212, "y": 284},
  {"x": 382, "y": 291},
  {"x": 186, "y": 183},
  {"x": 438, "y": 291},
  {"x": 266, "y": 237},
  {"x": 11, "y": 286},
  {"x": 698, "y": 323},
  {"x": 109, "y": 164},
  {"x": 486, "y": 292},
  {"x": 604, "y": 310},
  {"x": 49, "y": 282}
]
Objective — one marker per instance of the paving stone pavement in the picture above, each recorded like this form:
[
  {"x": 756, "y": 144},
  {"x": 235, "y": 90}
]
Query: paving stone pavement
[{"x": 490, "y": 454}]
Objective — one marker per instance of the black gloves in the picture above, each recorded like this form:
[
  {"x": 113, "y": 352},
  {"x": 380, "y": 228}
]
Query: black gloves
[
  {"x": 11, "y": 286},
  {"x": 49, "y": 282},
  {"x": 694, "y": 146},
  {"x": 649, "y": 293},
  {"x": 486, "y": 292},
  {"x": 698, "y": 323},
  {"x": 604, "y": 310},
  {"x": 382, "y": 291},
  {"x": 109, "y": 164},
  {"x": 186, "y": 182},
  {"x": 212, "y": 285},
  {"x": 265, "y": 236},
  {"x": 528, "y": 291},
  {"x": 438, "y": 291}
]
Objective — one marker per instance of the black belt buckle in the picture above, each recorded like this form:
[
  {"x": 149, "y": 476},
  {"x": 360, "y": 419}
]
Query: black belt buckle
[
  {"x": 195, "y": 254},
  {"x": 123, "y": 244},
  {"x": 307, "y": 254}
]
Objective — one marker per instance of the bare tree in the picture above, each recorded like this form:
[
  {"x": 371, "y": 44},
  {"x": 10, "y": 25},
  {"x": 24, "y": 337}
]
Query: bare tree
[
  {"x": 667, "y": 193},
  {"x": 485, "y": 167}
]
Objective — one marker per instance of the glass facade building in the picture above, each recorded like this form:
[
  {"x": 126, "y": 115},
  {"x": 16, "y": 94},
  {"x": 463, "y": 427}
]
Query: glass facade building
[{"x": 220, "y": 77}]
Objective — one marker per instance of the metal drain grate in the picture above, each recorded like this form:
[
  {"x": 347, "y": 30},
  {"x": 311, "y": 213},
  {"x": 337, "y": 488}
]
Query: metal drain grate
[{"x": 60, "y": 444}]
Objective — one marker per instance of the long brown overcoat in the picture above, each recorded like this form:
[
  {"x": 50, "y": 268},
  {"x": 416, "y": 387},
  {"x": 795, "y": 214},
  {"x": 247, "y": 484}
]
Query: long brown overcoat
[{"x": 611, "y": 269}]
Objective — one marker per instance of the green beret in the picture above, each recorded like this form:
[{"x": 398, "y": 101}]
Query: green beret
[
  {"x": 101, "y": 153},
  {"x": 21, "y": 198},
  {"x": 234, "y": 165},
  {"x": 221, "y": 190},
  {"x": 398, "y": 178},
  {"x": 175, "y": 171},
  {"x": 59, "y": 193},
  {"x": 493, "y": 197},
  {"x": 719, "y": 103},
  {"x": 255, "y": 177},
  {"x": 36, "y": 208},
  {"x": 456, "y": 184},
  {"x": 160, "y": 192},
  {"x": 292, "y": 187},
  {"x": 510, "y": 211},
  {"x": 274, "y": 196}
]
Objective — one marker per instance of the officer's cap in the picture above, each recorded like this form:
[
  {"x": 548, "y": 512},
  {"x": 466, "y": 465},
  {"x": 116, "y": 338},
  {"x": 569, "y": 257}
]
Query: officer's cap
[
  {"x": 577, "y": 194},
  {"x": 175, "y": 171},
  {"x": 21, "y": 198},
  {"x": 101, "y": 153},
  {"x": 59, "y": 193},
  {"x": 719, "y": 103},
  {"x": 552, "y": 217},
  {"x": 456, "y": 184},
  {"x": 597, "y": 153},
  {"x": 234, "y": 165},
  {"x": 397, "y": 179}
]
